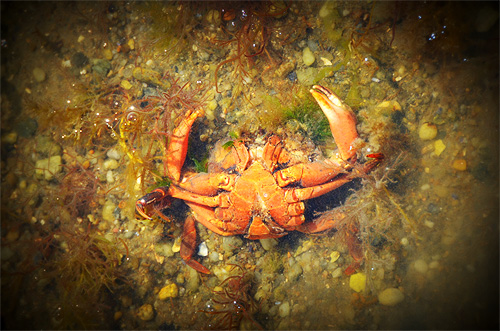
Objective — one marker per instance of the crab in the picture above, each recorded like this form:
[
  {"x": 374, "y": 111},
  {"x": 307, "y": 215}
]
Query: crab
[{"x": 258, "y": 193}]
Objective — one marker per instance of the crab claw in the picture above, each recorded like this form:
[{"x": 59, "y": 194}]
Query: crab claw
[{"x": 341, "y": 118}]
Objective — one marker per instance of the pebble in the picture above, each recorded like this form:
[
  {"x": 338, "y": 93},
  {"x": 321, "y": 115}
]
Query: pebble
[
  {"x": 229, "y": 244},
  {"x": 427, "y": 131},
  {"x": 192, "y": 280},
  {"x": 337, "y": 272},
  {"x": 145, "y": 312},
  {"x": 421, "y": 266},
  {"x": 203, "y": 249},
  {"x": 114, "y": 154},
  {"x": 334, "y": 256},
  {"x": 109, "y": 177},
  {"x": 108, "y": 211},
  {"x": 108, "y": 54},
  {"x": 213, "y": 256},
  {"x": 126, "y": 84},
  {"x": 388, "y": 107},
  {"x": 284, "y": 309},
  {"x": 176, "y": 247},
  {"x": 308, "y": 56},
  {"x": 390, "y": 296},
  {"x": 439, "y": 147},
  {"x": 326, "y": 9},
  {"x": 357, "y": 282},
  {"x": 39, "y": 74},
  {"x": 269, "y": 243},
  {"x": 459, "y": 164},
  {"x": 169, "y": 291},
  {"x": 110, "y": 164},
  {"x": 47, "y": 168}
]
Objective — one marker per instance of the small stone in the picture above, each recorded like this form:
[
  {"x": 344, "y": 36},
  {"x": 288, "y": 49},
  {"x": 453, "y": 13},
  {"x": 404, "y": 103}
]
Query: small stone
[
  {"x": 229, "y": 244},
  {"x": 110, "y": 164},
  {"x": 101, "y": 66},
  {"x": 421, "y": 266},
  {"x": 459, "y": 164},
  {"x": 337, "y": 272},
  {"x": 109, "y": 177},
  {"x": 203, "y": 249},
  {"x": 169, "y": 291},
  {"x": 334, "y": 256},
  {"x": 439, "y": 147},
  {"x": 131, "y": 44},
  {"x": 357, "y": 282},
  {"x": 39, "y": 74},
  {"x": 427, "y": 131},
  {"x": 47, "y": 168},
  {"x": 145, "y": 312},
  {"x": 284, "y": 309},
  {"x": 79, "y": 60},
  {"x": 269, "y": 243},
  {"x": 80, "y": 38},
  {"x": 176, "y": 247},
  {"x": 114, "y": 154},
  {"x": 308, "y": 56},
  {"x": 108, "y": 211},
  {"x": 326, "y": 9},
  {"x": 388, "y": 107},
  {"x": 390, "y": 297},
  {"x": 126, "y": 84}
]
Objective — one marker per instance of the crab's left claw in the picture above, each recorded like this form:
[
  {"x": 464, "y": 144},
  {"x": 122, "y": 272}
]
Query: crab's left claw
[
  {"x": 148, "y": 199},
  {"x": 341, "y": 118}
]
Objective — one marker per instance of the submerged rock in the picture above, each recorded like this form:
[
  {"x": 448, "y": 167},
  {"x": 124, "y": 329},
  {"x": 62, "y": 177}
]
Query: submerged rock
[{"x": 390, "y": 297}]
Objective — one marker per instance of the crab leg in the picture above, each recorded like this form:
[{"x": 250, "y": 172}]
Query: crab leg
[
  {"x": 188, "y": 245},
  {"x": 309, "y": 174},
  {"x": 300, "y": 194},
  {"x": 206, "y": 216},
  {"x": 321, "y": 224},
  {"x": 341, "y": 118},
  {"x": 178, "y": 146}
]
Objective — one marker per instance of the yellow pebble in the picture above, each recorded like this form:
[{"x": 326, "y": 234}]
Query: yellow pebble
[
  {"x": 126, "y": 84},
  {"x": 145, "y": 312},
  {"x": 439, "y": 147},
  {"x": 131, "y": 43},
  {"x": 169, "y": 291},
  {"x": 460, "y": 165},
  {"x": 358, "y": 282},
  {"x": 108, "y": 55}
]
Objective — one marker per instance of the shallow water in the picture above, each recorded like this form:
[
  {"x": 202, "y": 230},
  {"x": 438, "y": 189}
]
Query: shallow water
[{"x": 91, "y": 93}]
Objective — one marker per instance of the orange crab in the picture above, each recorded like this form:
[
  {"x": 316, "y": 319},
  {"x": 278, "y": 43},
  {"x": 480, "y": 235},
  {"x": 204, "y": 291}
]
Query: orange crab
[{"x": 258, "y": 193}]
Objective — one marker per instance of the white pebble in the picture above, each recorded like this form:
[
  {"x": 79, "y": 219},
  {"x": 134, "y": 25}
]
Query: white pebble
[
  {"x": 390, "y": 296},
  {"x": 203, "y": 249},
  {"x": 404, "y": 241},
  {"x": 109, "y": 177},
  {"x": 110, "y": 164},
  {"x": 421, "y": 266},
  {"x": 114, "y": 154}
]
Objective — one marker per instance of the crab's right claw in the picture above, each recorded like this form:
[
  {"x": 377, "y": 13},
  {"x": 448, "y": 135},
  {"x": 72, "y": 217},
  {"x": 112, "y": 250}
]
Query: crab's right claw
[
  {"x": 341, "y": 118},
  {"x": 150, "y": 198}
]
